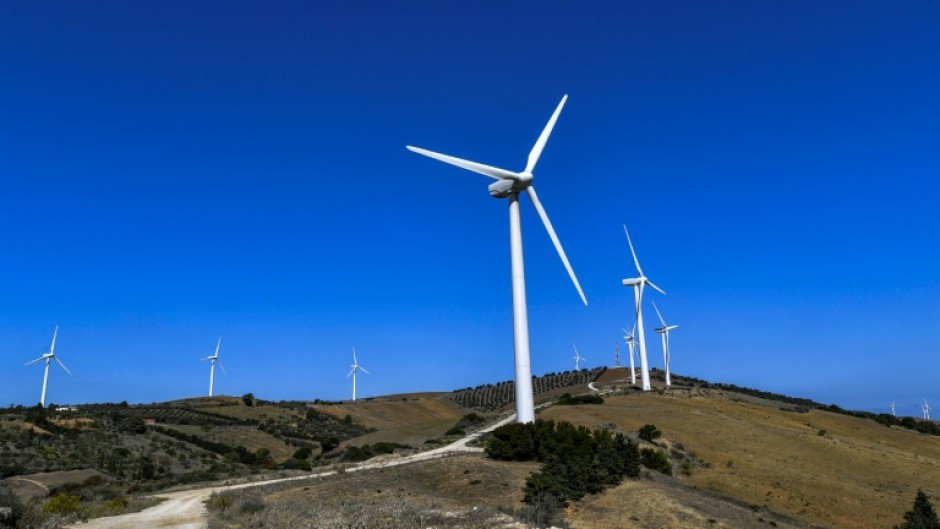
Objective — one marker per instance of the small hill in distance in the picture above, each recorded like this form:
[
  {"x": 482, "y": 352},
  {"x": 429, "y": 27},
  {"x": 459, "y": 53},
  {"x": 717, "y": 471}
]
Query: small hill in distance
[{"x": 738, "y": 457}]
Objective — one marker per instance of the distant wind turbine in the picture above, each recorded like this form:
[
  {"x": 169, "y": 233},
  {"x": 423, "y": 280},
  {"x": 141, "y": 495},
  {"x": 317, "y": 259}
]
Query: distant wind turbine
[
  {"x": 926, "y": 408},
  {"x": 894, "y": 410},
  {"x": 664, "y": 332},
  {"x": 578, "y": 358},
  {"x": 628, "y": 336},
  {"x": 638, "y": 283},
  {"x": 213, "y": 360},
  {"x": 48, "y": 357},
  {"x": 616, "y": 354},
  {"x": 509, "y": 184},
  {"x": 352, "y": 372}
]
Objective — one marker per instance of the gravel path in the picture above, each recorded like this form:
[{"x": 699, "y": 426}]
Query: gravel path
[{"x": 187, "y": 510}]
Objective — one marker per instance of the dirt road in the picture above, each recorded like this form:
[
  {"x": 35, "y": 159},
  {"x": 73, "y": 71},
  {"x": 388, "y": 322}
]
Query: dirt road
[{"x": 187, "y": 510}]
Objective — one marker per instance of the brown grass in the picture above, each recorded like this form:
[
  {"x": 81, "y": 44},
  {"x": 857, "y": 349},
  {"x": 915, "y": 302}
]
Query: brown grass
[
  {"x": 409, "y": 421},
  {"x": 456, "y": 483},
  {"x": 858, "y": 475},
  {"x": 23, "y": 425}
]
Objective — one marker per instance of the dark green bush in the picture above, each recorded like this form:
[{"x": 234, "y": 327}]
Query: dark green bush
[
  {"x": 568, "y": 400},
  {"x": 655, "y": 460},
  {"x": 649, "y": 432},
  {"x": 575, "y": 461},
  {"x": 921, "y": 515}
]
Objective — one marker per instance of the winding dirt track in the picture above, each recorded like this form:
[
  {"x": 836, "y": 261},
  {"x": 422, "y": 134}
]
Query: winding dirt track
[{"x": 187, "y": 510}]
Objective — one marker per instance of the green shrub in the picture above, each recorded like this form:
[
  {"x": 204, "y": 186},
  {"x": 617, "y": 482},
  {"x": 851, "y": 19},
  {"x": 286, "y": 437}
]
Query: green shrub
[
  {"x": 456, "y": 430},
  {"x": 655, "y": 460},
  {"x": 649, "y": 432},
  {"x": 568, "y": 400},
  {"x": 62, "y": 503},
  {"x": 921, "y": 515},
  {"x": 220, "y": 502},
  {"x": 117, "y": 504}
]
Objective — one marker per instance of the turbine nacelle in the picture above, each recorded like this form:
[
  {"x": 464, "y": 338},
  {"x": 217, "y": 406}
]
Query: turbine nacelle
[{"x": 634, "y": 281}]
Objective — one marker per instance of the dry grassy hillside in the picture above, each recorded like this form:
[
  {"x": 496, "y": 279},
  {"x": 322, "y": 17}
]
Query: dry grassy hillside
[
  {"x": 408, "y": 420},
  {"x": 817, "y": 467}
]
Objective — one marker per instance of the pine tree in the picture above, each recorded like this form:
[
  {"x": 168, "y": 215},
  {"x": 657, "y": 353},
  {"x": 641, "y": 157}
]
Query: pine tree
[{"x": 921, "y": 515}]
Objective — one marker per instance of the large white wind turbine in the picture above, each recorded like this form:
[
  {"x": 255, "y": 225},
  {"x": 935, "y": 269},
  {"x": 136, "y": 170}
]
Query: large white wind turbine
[
  {"x": 664, "y": 332},
  {"x": 352, "y": 372},
  {"x": 509, "y": 184},
  {"x": 578, "y": 358},
  {"x": 49, "y": 357},
  {"x": 638, "y": 283},
  {"x": 213, "y": 360},
  {"x": 628, "y": 336}
]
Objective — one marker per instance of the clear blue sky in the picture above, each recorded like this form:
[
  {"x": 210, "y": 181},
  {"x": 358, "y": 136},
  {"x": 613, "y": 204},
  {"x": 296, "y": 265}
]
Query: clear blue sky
[{"x": 175, "y": 171}]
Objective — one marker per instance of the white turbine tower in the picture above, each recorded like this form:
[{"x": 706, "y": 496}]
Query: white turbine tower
[
  {"x": 926, "y": 408},
  {"x": 638, "y": 283},
  {"x": 48, "y": 357},
  {"x": 214, "y": 359},
  {"x": 577, "y": 358},
  {"x": 628, "y": 336},
  {"x": 352, "y": 372},
  {"x": 664, "y": 332},
  {"x": 508, "y": 185}
]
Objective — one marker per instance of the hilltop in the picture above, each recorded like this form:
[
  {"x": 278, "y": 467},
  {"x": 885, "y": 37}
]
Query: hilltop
[{"x": 737, "y": 457}]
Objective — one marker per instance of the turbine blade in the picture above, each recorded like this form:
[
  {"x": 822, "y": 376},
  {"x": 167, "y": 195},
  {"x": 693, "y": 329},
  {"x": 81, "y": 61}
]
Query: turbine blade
[
  {"x": 221, "y": 367},
  {"x": 551, "y": 233},
  {"x": 33, "y": 361},
  {"x": 633, "y": 332},
  {"x": 632, "y": 251},
  {"x": 62, "y": 365},
  {"x": 354, "y": 357},
  {"x": 659, "y": 313},
  {"x": 486, "y": 170},
  {"x": 543, "y": 138},
  {"x": 661, "y": 291},
  {"x": 351, "y": 371},
  {"x": 217, "y": 347},
  {"x": 363, "y": 370}
]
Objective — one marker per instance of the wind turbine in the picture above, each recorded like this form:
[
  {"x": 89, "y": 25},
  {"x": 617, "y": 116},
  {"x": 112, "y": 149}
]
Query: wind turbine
[
  {"x": 352, "y": 372},
  {"x": 926, "y": 408},
  {"x": 638, "y": 283},
  {"x": 616, "y": 354},
  {"x": 578, "y": 358},
  {"x": 628, "y": 336},
  {"x": 214, "y": 359},
  {"x": 48, "y": 357},
  {"x": 664, "y": 332},
  {"x": 894, "y": 410},
  {"x": 508, "y": 185}
]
